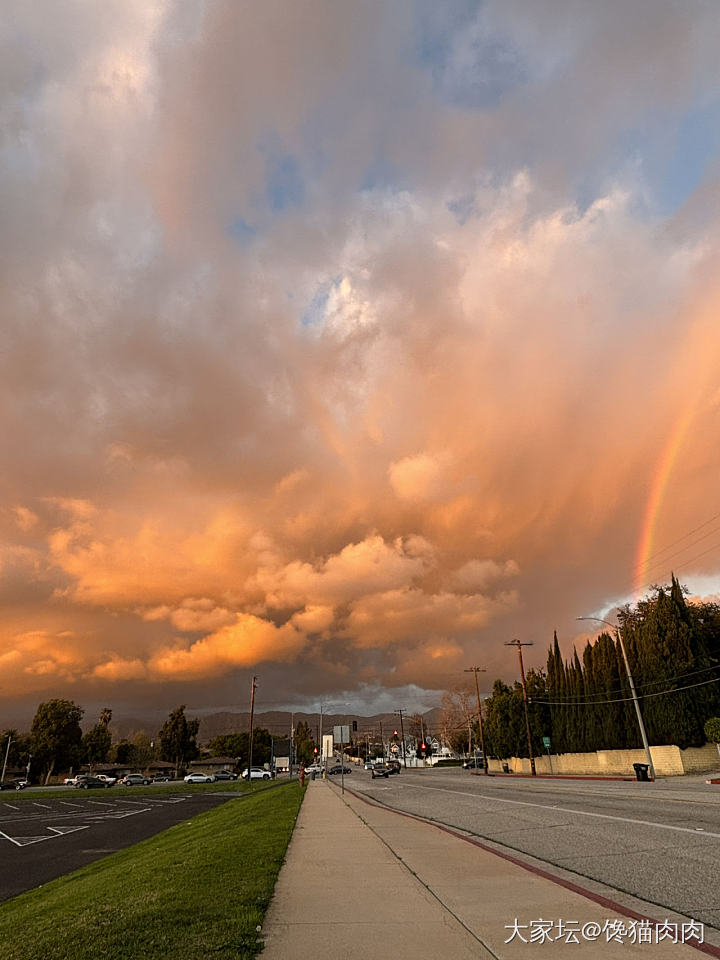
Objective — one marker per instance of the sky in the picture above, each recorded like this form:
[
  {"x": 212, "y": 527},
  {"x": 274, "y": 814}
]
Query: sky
[{"x": 343, "y": 343}]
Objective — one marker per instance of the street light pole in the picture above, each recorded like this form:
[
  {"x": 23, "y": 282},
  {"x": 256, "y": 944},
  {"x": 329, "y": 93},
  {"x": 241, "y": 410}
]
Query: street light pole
[
  {"x": 638, "y": 712},
  {"x": 7, "y": 754},
  {"x": 477, "y": 670},
  {"x": 519, "y": 645}
]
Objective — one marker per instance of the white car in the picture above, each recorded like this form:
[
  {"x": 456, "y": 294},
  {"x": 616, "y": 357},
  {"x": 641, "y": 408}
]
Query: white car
[
  {"x": 256, "y": 773},
  {"x": 199, "y": 778},
  {"x": 314, "y": 768},
  {"x": 110, "y": 781}
]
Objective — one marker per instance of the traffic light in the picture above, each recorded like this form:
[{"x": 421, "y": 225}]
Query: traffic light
[
  {"x": 394, "y": 733},
  {"x": 315, "y": 750}
]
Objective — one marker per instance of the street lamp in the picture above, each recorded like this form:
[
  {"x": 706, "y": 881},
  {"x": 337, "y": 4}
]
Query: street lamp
[
  {"x": 519, "y": 645},
  {"x": 643, "y": 734}
]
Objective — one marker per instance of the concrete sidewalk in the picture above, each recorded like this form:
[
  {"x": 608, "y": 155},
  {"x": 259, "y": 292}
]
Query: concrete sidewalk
[{"x": 363, "y": 882}]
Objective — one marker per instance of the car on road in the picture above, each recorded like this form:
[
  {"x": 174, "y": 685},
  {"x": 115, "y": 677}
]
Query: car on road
[
  {"x": 256, "y": 773},
  {"x": 161, "y": 778},
  {"x": 198, "y": 778},
  {"x": 315, "y": 768},
  {"x": 474, "y": 763},
  {"x": 380, "y": 770},
  {"x": 135, "y": 780},
  {"x": 110, "y": 781},
  {"x": 13, "y": 785},
  {"x": 92, "y": 783},
  {"x": 72, "y": 781},
  {"x": 339, "y": 768},
  {"x": 368, "y": 765},
  {"x": 225, "y": 775},
  {"x": 394, "y": 766}
]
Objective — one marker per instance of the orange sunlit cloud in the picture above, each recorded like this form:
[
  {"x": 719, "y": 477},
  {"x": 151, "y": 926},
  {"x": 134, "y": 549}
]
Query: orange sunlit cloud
[{"x": 393, "y": 353}]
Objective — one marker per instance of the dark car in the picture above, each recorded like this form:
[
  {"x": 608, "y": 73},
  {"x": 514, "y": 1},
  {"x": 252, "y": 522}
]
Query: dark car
[
  {"x": 380, "y": 770},
  {"x": 394, "y": 766},
  {"x": 91, "y": 783},
  {"x": 339, "y": 768},
  {"x": 224, "y": 775},
  {"x": 474, "y": 763},
  {"x": 13, "y": 784}
]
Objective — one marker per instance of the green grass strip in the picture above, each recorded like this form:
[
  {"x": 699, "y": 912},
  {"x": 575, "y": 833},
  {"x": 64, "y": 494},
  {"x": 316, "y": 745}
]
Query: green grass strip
[{"x": 198, "y": 890}]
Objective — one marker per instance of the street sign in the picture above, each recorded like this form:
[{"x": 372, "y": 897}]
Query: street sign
[
  {"x": 342, "y": 734},
  {"x": 546, "y": 742}
]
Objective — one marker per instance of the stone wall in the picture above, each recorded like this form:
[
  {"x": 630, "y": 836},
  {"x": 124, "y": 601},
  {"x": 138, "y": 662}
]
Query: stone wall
[{"x": 669, "y": 761}]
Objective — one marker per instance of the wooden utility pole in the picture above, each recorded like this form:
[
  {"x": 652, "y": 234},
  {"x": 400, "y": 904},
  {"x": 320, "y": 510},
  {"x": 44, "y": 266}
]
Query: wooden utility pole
[
  {"x": 519, "y": 645},
  {"x": 253, "y": 684},
  {"x": 477, "y": 670}
]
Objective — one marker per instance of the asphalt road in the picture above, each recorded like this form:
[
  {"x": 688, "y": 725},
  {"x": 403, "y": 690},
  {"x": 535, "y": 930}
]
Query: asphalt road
[
  {"x": 657, "y": 841},
  {"x": 48, "y": 837}
]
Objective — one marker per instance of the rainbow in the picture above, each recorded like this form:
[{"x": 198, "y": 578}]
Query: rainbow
[{"x": 658, "y": 489}]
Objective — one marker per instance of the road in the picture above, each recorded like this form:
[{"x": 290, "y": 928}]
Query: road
[{"x": 656, "y": 841}]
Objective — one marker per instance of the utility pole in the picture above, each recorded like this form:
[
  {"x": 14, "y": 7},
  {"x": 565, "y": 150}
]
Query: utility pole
[
  {"x": 253, "y": 684},
  {"x": 519, "y": 645},
  {"x": 7, "y": 754},
  {"x": 382, "y": 743},
  {"x": 477, "y": 670},
  {"x": 402, "y": 731},
  {"x": 638, "y": 712}
]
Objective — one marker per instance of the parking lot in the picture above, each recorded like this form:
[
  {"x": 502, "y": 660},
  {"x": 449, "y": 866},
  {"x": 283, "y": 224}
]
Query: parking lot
[{"x": 46, "y": 838}]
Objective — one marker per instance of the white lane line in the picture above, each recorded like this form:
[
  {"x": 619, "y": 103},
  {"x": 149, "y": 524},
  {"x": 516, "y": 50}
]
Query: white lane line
[{"x": 579, "y": 813}]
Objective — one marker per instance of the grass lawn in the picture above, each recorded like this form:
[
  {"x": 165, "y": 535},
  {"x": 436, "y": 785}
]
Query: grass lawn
[{"x": 197, "y": 891}]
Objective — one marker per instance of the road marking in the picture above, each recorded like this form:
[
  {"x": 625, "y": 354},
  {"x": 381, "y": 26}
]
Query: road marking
[
  {"x": 57, "y": 832},
  {"x": 101, "y": 803},
  {"x": 11, "y": 806},
  {"x": 579, "y": 813},
  {"x": 36, "y": 804},
  {"x": 75, "y": 806}
]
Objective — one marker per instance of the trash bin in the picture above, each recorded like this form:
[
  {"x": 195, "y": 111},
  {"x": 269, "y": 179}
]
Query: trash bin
[
  {"x": 506, "y": 768},
  {"x": 641, "y": 771}
]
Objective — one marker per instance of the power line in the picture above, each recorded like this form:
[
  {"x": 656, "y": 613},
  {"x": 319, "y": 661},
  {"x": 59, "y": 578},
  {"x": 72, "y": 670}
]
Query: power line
[
  {"x": 684, "y": 537},
  {"x": 645, "y": 696}
]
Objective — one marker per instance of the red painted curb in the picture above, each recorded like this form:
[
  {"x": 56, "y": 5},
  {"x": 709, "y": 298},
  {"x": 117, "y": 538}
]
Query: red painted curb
[
  {"x": 598, "y": 898},
  {"x": 559, "y": 776}
]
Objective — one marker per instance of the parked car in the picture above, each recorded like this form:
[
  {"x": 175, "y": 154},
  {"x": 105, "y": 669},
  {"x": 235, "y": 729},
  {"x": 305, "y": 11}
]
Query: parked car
[
  {"x": 161, "y": 778},
  {"x": 110, "y": 781},
  {"x": 315, "y": 768},
  {"x": 198, "y": 778},
  {"x": 72, "y": 781},
  {"x": 91, "y": 783},
  {"x": 339, "y": 768},
  {"x": 135, "y": 780},
  {"x": 256, "y": 773},
  {"x": 225, "y": 775},
  {"x": 380, "y": 770}
]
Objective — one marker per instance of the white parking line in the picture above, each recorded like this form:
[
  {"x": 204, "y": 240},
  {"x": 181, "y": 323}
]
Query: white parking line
[
  {"x": 579, "y": 813},
  {"x": 11, "y": 806},
  {"x": 36, "y": 804}
]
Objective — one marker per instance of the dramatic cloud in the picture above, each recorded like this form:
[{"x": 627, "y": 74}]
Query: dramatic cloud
[{"x": 345, "y": 342}]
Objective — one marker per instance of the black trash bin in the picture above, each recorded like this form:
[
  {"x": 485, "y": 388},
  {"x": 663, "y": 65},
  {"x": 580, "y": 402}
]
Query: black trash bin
[
  {"x": 506, "y": 768},
  {"x": 641, "y": 771}
]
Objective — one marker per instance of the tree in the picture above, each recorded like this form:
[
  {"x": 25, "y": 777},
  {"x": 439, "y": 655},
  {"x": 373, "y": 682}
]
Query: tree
[
  {"x": 178, "y": 738},
  {"x": 56, "y": 737},
  {"x": 304, "y": 744},
  {"x": 96, "y": 743},
  {"x": 712, "y": 731},
  {"x": 459, "y": 710}
]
